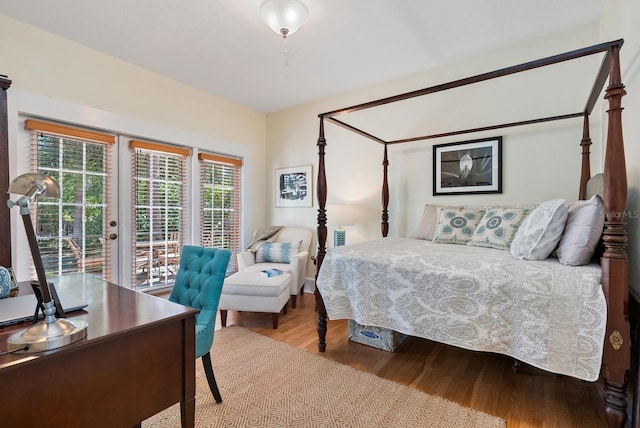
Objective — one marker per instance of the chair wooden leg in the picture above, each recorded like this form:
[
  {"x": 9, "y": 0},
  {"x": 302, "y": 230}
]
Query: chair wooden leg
[
  {"x": 293, "y": 301},
  {"x": 208, "y": 370},
  {"x": 274, "y": 319},
  {"x": 223, "y": 317}
]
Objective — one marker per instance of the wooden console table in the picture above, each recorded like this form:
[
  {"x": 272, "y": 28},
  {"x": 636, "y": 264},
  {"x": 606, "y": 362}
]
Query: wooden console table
[{"x": 138, "y": 358}]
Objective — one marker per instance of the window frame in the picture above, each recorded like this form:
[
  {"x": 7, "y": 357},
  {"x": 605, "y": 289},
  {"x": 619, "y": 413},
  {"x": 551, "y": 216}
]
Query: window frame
[{"x": 234, "y": 168}]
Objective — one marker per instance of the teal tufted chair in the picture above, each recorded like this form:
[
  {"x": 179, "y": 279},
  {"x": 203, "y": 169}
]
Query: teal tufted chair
[{"x": 198, "y": 285}]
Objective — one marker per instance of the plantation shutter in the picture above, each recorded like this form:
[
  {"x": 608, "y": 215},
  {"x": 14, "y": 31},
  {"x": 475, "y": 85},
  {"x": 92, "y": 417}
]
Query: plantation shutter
[
  {"x": 220, "y": 199},
  {"x": 159, "y": 186},
  {"x": 71, "y": 231}
]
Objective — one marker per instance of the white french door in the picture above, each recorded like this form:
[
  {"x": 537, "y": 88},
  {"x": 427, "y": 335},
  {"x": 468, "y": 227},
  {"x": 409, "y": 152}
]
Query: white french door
[{"x": 76, "y": 232}]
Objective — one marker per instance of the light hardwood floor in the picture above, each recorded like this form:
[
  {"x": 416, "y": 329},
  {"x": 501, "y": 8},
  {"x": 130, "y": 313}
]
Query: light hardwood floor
[{"x": 485, "y": 382}]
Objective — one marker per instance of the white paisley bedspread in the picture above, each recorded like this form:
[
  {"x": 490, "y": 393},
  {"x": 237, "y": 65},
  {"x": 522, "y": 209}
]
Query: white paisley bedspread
[{"x": 543, "y": 313}]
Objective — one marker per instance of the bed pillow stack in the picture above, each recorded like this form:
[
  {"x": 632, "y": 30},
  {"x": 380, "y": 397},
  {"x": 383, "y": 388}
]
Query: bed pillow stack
[
  {"x": 573, "y": 232},
  {"x": 570, "y": 233},
  {"x": 541, "y": 231}
]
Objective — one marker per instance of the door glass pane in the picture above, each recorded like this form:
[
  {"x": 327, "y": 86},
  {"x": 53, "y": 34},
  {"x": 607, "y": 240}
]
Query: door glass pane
[
  {"x": 159, "y": 191},
  {"x": 71, "y": 230},
  {"x": 220, "y": 202}
]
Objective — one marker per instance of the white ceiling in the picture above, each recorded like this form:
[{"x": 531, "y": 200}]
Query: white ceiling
[{"x": 221, "y": 46}]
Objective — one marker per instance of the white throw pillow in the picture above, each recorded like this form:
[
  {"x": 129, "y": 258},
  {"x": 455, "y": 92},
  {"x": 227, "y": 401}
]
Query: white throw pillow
[
  {"x": 427, "y": 226},
  {"x": 428, "y": 222},
  {"x": 582, "y": 232},
  {"x": 541, "y": 231}
]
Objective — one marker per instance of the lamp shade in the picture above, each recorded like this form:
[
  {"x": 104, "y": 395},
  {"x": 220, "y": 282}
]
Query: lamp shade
[
  {"x": 284, "y": 17},
  {"x": 340, "y": 214},
  {"x": 45, "y": 186}
]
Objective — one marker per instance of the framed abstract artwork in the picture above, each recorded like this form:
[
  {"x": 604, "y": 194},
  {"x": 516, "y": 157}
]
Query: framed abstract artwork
[{"x": 293, "y": 187}]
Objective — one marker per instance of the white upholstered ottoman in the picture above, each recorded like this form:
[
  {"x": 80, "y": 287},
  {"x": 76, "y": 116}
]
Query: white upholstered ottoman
[{"x": 253, "y": 292}]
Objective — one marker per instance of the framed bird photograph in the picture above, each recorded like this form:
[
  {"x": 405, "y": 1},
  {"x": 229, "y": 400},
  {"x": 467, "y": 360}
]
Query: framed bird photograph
[{"x": 468, "y": 167}]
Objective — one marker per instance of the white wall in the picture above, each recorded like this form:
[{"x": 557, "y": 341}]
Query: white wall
[
  {"x": 49, "y": 67},
  {"x": 58, "y": 79},
  {"x": 620, "y": 20},
  {"x": 540, "y": 162}
]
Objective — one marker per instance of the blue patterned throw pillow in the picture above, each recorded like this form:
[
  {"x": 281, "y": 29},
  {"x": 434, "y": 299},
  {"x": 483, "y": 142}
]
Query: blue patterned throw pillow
[
  {"x": 276, "y": 252},
  {"x": 456, "y": 226},
  {"x": 498, "y": 227}
]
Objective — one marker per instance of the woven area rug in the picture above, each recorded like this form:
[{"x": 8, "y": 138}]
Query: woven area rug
[{"x": 266, "y": 383}]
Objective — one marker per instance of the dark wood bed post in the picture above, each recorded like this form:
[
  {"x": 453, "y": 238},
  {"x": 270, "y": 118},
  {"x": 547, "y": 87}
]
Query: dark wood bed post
[
  {"x": 322, "y": 236},
  {"x": 5, "y": 213},
  {"x": 385, "y": 194},
  {"x": 585, "y": 143},
  {"x": 614, "y": 262}
]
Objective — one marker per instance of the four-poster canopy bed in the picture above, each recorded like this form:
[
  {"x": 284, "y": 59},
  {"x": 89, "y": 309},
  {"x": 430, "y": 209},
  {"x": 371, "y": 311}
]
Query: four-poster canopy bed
[{"x": 614, "y": 264}]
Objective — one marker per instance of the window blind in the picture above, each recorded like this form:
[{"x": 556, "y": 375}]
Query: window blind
[
  {"x": 71, "y": 231},
  {"x": 159, "y": 188},
  {"x": 220, "y": 198}
]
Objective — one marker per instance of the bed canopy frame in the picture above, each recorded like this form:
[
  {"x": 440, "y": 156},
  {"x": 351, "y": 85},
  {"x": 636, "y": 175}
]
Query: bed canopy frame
[{"x": 614, "y": 261}]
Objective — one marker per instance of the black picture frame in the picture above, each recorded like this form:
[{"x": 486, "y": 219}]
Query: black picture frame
[
  {"x": 468, "y": 167},
  {"x": 294, "y": 187}
]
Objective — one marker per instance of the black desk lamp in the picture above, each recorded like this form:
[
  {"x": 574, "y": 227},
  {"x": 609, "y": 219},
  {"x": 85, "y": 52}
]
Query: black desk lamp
[{"x": 52, "y": 332}]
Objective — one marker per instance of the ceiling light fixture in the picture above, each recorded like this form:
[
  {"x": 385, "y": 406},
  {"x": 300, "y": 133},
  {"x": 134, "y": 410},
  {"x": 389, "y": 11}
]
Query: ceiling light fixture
[{"x": 284, "y": 17}]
